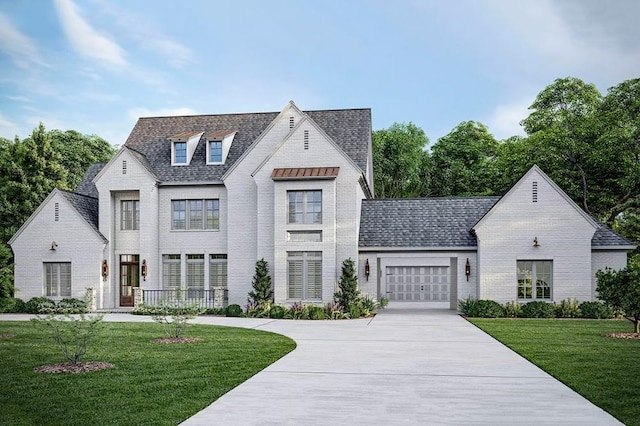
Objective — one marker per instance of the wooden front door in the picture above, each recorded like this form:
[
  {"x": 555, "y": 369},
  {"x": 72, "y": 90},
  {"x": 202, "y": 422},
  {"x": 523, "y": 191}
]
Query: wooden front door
[{"x": 129, "y": 277}]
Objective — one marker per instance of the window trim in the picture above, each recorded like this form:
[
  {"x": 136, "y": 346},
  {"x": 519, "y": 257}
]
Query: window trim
[
  {"x": 533, "y": 279},
  {"x": 218, "y": 260},
  {"x": 209, "y": 150},
  {"x": 58, "y": 280},
  {"x": 205, "y": 211},
  {"x": 305, "y": 207},
  {"x": 306, "y": 257},
  {"x": 135, "y": 215},
  {"x": 174, "y": 154}
]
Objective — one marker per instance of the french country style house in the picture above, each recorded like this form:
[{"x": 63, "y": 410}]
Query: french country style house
[{"x": 191, "y": 203}]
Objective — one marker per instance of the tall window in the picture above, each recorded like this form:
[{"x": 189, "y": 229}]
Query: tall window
[
  {"x": 305, "y": 206},
  {"x": 217, "y": 270},
  {"x": 171, "y": 271},
  {"x": 195, "y": 214},
  {"x": 195, "y": 272},
  {"x": 57, "y": 279},
  {"x": 130, "y": 215},
  {"x": 535, "y": 279},
  {"x": 215, "y": 151},
  {"x": 304, "y": 275},
  {"x": 180, "y": 152}
]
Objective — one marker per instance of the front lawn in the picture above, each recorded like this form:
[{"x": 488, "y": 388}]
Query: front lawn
[
  {"x": 577, "y": 352},
  {"x": 154, "y": 384}
]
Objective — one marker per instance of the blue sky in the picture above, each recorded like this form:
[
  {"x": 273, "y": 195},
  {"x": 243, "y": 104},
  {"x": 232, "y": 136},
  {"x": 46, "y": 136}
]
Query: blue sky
[{"x": 95, "y": 66}]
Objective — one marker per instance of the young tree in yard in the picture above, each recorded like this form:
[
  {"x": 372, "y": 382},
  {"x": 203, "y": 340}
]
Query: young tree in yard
[
  {"x": 348, "y": 292},
  {"x": 262, "y": 291},
  {"x": 621, "y": 289}
]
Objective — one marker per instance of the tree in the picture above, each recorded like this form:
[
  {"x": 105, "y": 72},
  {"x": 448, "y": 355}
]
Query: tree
[
  {"x": 463, "y": 161},
  {"x": 348, "y": 292},
  {"x": 261, "y": 284},
  {"x": 399, "y": 161},
  {"x": 621, "y": 289}
]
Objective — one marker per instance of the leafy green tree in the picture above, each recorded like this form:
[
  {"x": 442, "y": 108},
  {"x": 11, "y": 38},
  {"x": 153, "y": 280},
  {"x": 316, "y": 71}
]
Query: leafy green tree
[
  {"x": 261, "y": 284},
  {"x": 400, "y": 161},
  {"x": 463, "y": 161},
  {"x": 348, "y": 292},
  {"x": 621, "y": 289}
]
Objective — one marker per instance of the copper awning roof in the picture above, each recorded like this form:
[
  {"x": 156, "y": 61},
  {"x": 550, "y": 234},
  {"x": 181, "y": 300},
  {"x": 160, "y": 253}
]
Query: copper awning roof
[
  {"x": 305, "y": 173},
  {"x": 218, "y": 134},
  {"x": 185, "y": 135}
]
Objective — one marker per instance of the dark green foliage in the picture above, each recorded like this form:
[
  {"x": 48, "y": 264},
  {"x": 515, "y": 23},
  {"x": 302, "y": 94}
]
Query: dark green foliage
[
  {"x": 40, "y": 305},
  {"x": 355, "y": 310},
  {"x": 234, "y": 311},
  {"x": 596, "y": 310},
  {"x": 538, "y": 309},
  {"x": 12, "y": 305},
  {"x": 258, "y": 310},
  {"x": 297, "y": 311},
  {"x": 72, "y": 306},
  {"x": 568, "y": 308},
  {"x": 261, "y": 284},
  {"x": 512, "y": 309},
  {"x": 277, "y": 312},
  {"x": 481, "y": 308},
  {"x": 621, "y": 290},
  {"x": 317, "y": 313},
  {"x": 348, "y": 292}
]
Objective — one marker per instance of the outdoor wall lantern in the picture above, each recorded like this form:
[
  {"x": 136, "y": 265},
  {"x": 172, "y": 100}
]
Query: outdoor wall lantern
[
  {"x": 144, "y": 269},
  {"x": 105, "y": 269},
  {"x": 467, "y": 269},
  {"x": 54, "y": 246},
  {"x": 535, "y": 242},
  {"x": 366, "y": 269}
]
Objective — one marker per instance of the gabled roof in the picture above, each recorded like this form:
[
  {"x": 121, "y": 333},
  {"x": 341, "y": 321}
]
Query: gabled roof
[
  {"x": 86, "y": 185},
  {"x": 349, "y": 128},
  {"x": 606, "y": 237},
  {"x": 86, "y": 206}
]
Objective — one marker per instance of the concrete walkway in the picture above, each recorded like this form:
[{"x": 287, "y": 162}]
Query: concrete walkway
[{"x": 403, "y": 367}]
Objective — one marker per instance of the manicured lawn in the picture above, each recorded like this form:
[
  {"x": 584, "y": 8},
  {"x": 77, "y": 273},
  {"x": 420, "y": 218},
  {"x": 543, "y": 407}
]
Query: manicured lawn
[
  {"x": 154, "y": 384},
  {"x": 604, "y": 370}
]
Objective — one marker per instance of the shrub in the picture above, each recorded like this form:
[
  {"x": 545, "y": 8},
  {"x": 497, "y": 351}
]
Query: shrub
[
  {"x": 258, "y": 309},
  {"x": 72, "y": 306},
  {"x": 512, "y": 309},
  {"x": 383, "y": 301},
  {"x": 348, "y": 292},
  {"x": 12, "y": 305},
  {"x": 72, "y": 334},
  {"x": 298, "y": 311},
  {"x": 538, "y": 309},
  {"x": 355, "y": 310},
  {"x": 368, "y": 306},
  {"x": 261, "y": 284},
  {"x": 621, "y": 290},
  {"x": 334, "y": 312},
  {"x": 481, "y": 308},
  {"x": 174, "y": 316},
  {"x": 234, "y": 311},
  {"x": 216, "y": 311},
  {"x": 317, "y": 313},
  {"x": 568, "y": 309},
  {"x": 596, "y": 310},
  {"x": 277, "y": 312},
  {"x": 40, "y": 305}
]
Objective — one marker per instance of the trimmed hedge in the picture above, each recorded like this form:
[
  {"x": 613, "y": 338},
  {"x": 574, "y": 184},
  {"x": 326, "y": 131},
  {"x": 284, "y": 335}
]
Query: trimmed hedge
[
  {"x": 12, "y": 305},
  {"x": 538, "y": 309},
  {"x": 481, "y": 308},
  {"x": 567, "y": 308}
]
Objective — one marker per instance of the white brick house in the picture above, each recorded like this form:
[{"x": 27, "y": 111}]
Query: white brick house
[{"x": 193, "y": 202}]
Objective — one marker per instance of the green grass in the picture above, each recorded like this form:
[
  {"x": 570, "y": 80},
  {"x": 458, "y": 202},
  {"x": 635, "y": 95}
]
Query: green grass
[
  {"x": 154, "y": 384},
  {"x": 577, "y": 352}
]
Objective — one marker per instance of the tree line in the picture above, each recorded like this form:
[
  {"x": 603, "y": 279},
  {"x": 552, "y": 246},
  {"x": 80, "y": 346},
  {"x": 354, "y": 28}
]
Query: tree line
[{"x": 587, "y": 142}]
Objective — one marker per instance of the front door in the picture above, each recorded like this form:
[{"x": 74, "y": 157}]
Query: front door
[{"x": 129, "y": 277}]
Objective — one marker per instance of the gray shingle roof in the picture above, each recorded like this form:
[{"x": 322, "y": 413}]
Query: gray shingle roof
[
  {"x": 350, "y": 129},
  {"x": 86, "y": 186},
  {"x": 86, "y": 206},
  {"x": 438, "y": 222}
]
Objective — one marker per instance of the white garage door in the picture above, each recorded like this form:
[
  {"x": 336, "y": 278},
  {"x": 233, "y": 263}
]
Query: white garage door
[{"x": 418, "y": 283}]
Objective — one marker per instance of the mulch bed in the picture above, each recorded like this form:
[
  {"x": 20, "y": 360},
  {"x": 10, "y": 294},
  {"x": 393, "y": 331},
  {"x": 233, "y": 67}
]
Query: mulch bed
[
  {"x": 624, "y": 335},
  {"x": 169, "y": 340},
  {"x": 67, "y": 367}
]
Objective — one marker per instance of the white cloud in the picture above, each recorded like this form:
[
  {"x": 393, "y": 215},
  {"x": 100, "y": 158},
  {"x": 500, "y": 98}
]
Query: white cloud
[
  {"x": 8, "y": 129},
  {"x": 18, "y": 98},
  {"x": 136, "y": 113},
  {"x": 18, "y": 46},
  {"x": 85, "y": 39},
  {"x": 505, "y": 119}
]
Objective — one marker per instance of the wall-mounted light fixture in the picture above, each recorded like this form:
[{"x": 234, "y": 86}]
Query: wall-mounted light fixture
[
  {"x": 535, "y": 242},
  {"x": 54, "y": 246},
  {"x": 367, "y": 271},
  {"x": 467, "y": 269},
  {"x": 105, "y": 269},
  {"x": 144, "y": 269}
]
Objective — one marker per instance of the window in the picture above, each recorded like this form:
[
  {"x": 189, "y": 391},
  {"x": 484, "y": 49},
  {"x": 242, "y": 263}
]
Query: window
[
  {"x": 57, "y": 279},
  {"x": 215, "y": 151},
  {"x": 217, "y": 270},
  {"x": 305, "y": 206},
  {"x": 535, "y": 279},
  {"x": 130, "y": 214},
  {"x": 304, "y": 236},
  {"x": 195, "y": 274},
  {"x": 195, "y": 214},
  {"x": 304, "y": 275},
  {"x": 180, "y": 153},
  {"x": 171, "y": 271}
]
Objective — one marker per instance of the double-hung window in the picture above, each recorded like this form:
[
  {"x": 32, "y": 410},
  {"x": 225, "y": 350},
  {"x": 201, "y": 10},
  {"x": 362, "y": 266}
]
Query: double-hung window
[
  {"x": 195, "y": 275},
  {"x": 57, "y": 279},
  {"x": 180, "y": 153},
  {"x": 171, "y": 271},
  {"x": 304, "y": 275},
  {"x": 535, "y": 279},
  {"x": 217, "y": 270},
  {"x": 215, "y": 151},
  {"x": 130, "y": 215},
  {"x": 305, "y": 206},
  {"x": 195, "y": 214}
]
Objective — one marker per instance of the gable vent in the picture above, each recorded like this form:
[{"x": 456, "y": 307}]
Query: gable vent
[
  {"x": 56, "y": 212},
  {"x": 534, "y": 192},
  {"x": 124, "y": 167},
  {"x": 306, "y": 139},
  {"x": 292, "y": 122}
]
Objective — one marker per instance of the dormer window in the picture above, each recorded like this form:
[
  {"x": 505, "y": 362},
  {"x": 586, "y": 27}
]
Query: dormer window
[
  {"x": 180, "y": 152},
  {"x": 183, "y": 146},
  {"x": 218, "y": 145}
]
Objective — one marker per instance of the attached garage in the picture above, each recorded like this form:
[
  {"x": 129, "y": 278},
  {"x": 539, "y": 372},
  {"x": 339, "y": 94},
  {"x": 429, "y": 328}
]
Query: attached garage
[{"x": 417, "y": 283}]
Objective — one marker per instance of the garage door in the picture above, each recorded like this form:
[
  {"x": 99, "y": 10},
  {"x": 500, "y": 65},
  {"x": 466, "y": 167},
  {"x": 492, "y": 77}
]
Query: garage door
[{"x": 418, "y": 283}]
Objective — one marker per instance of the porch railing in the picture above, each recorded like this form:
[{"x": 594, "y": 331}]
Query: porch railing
[{"x": 213, "y": 298}]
